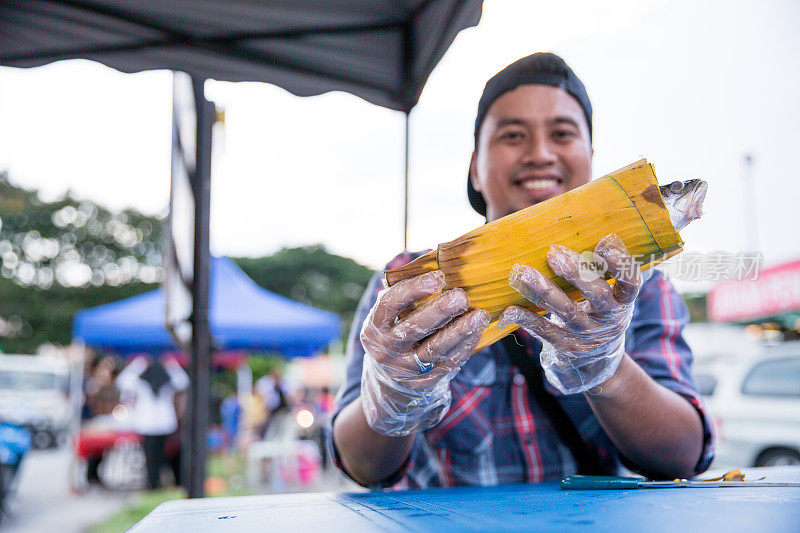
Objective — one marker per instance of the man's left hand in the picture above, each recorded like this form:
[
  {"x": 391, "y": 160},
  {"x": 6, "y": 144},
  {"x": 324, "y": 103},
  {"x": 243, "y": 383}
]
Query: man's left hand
[{"x": 583, "y": 342}]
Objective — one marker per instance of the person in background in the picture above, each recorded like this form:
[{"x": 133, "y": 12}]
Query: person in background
[
  {"x": 230, "y": 413},
  {"x": 155, "y": 392},
  {"x": 325, "y": 402},
  {"x": 277, "y": 397},
  {"x": 101, "y": 395},
  {"x": 325, "y": 405},
  {"x": 100, "y": 374}
]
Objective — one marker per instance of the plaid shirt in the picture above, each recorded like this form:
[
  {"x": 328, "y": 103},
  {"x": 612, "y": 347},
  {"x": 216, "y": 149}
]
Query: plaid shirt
[{"x": 495, "y": 431}]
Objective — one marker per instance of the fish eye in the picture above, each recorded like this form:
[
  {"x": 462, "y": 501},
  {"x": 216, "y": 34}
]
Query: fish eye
[{"x": 676, "y": 187}]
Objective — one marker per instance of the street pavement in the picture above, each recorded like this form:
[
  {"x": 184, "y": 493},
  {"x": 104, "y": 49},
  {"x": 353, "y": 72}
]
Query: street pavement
[{"x": 44, "y": 502}]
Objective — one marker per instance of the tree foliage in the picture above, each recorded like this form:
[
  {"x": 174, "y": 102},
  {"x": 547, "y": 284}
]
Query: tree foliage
[
  {"x": 697, "y": 307},
  {"x": 313, "y": 276},
  {"x": 63, "y": 256},
  {"x": 74, "y": 243},
  {"x": 32, "y": 316}
]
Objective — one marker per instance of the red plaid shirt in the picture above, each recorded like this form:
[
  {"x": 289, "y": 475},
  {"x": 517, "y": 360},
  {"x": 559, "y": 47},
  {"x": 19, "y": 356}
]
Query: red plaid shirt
[{"x": 495, "y": 431}]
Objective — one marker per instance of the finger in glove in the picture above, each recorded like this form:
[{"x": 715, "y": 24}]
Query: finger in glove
[
  {"x": 430, "y": 317},
  {"x": 576, "y": 269},
  {"x": 532, "y": 322},
  {"x": 455, "y": 343},
  {"x": 621, "y": 266},
  {"x": 541, "y": 291},
  {"x": 393, "y": 301}
]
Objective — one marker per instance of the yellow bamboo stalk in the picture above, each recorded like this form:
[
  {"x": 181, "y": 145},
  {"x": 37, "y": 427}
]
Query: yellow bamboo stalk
[{"x": 626, "y": 202}]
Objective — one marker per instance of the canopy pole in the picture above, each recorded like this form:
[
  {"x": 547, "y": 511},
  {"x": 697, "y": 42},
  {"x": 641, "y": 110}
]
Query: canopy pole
[
  {"x": 405, "y": 185},
  {"x": 750, "y": 210},
  {"x": 201, "y": 334}
]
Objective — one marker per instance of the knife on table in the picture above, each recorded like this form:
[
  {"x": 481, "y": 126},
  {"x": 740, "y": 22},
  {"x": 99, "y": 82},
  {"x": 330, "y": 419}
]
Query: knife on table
[{"x": 578, "y": 482}]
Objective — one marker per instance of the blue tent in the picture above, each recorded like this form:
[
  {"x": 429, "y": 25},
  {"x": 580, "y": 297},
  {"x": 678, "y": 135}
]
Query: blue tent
[{"x": 242, "y": 316}]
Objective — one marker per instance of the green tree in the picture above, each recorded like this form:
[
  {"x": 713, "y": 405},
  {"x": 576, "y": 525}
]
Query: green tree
[
  {"x": 62, "y": 256},
  {"x": 313, "y": 276},
  {"x": 74, "y": 243},
  {"x": 696, "y": 302},
  {"x": 32, "y": 316}
]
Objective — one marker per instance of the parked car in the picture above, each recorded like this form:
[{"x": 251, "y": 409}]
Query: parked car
[
  {"x": 755, "y": 404},
  {"x": 41, "y": 383}
]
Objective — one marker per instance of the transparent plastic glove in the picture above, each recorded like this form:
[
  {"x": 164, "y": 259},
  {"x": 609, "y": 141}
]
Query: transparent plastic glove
[
  {"x": 583, "y": 342},
  {"x": 400, "y": 392}
]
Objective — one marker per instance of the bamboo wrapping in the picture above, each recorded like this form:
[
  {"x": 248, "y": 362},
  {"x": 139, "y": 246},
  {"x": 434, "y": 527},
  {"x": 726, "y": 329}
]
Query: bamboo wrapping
[{"x": 626, "y": 202}]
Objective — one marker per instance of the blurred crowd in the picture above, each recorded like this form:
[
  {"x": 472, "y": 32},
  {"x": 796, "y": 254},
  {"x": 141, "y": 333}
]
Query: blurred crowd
[{"x": 140, "y": 405}]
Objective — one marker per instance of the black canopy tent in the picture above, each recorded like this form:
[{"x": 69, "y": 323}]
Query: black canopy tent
[{"x": 380, "y": 50}]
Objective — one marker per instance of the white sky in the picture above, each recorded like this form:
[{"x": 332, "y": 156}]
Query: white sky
[{"x": 690, "y": 85}]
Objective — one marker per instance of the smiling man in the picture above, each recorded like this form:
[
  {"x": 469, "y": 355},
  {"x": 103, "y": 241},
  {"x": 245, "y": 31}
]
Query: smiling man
[{"x": 592, "y": 386}]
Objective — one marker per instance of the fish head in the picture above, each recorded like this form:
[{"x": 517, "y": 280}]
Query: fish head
[{"x": 684, "y": 201}]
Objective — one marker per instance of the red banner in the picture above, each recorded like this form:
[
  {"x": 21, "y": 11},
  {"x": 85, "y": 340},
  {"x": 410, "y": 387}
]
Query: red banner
[{"x": 777, "y": 290}]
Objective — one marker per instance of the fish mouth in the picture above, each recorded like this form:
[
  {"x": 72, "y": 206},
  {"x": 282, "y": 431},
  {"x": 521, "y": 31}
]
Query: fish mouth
[{"x": 698, "y": 196}]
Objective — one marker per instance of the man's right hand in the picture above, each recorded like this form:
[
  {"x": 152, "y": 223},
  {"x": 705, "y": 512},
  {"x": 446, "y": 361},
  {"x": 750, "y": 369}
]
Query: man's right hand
[{"x": 400, "y": 393}]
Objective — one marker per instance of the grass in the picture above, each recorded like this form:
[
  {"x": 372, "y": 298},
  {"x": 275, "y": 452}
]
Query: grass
[
  {"x": 229, "y": 468},
  {"x": 144, "y": 503}
]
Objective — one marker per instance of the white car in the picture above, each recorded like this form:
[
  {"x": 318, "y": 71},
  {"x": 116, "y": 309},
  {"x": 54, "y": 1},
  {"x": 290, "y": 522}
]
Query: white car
[
  {"x": 755, "y": 405},
  {"x": 40, "y": 384}
]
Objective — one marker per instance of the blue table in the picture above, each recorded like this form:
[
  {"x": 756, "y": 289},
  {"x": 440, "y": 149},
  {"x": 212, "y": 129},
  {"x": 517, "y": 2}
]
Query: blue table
[{"x": 543, "y": 507}]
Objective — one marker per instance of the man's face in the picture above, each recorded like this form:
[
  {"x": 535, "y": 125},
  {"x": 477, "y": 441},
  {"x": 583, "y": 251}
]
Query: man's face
[{"x": 533, "y": 145}]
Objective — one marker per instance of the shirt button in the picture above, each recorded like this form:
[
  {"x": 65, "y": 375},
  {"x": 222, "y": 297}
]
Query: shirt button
[
  {"x": 529, "y": 439},
  {"x": 519, "y": 379}
]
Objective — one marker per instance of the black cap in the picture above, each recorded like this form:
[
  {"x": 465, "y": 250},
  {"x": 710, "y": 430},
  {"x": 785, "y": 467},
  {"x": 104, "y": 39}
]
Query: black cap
[{"x": 541, "y": 68}]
